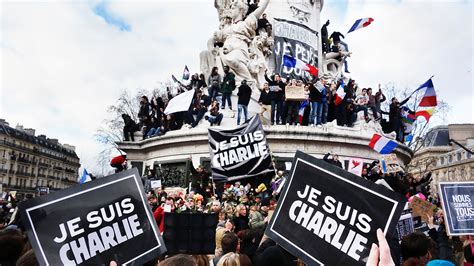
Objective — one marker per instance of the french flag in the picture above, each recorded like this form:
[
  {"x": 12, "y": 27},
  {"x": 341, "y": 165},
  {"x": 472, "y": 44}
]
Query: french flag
[
  {"x": 382, "y": 144},
  {"x": 340, "y": 94},
  {"x": 361, "y": 23},
  {"x": 429, "y": 99},
  {"x": 301, "y": 111},
  {"x": 292, "y": 62}
]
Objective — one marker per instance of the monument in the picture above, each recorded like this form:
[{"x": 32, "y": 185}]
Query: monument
[{"x": 252, "y": 38}]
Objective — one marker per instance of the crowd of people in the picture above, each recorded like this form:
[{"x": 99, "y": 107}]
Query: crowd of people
[
  {"x": 244, "y": 208},
  {"x": 319, "y": 107}
]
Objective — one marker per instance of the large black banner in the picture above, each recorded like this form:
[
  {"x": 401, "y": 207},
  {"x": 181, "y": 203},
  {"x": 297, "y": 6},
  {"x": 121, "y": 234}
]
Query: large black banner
[
  {"x": 457, "y": 199},
  {"x": 329, "y": 216},
  {"x": 239, "y": 153},
  {"x": 295, "y": 40},
  {"x": 94, "y": 223}
]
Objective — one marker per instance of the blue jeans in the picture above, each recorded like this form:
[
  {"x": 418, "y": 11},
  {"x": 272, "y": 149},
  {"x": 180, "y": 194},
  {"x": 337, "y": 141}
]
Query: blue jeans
[
  {"x": 241, "y": 108},
  {"x": 216, "y": 119},
  {"x": 213, "y": 92},
  {"x": 316, "y": 112},
  {"x": 276, "y": 107},
  {"x": 226, "y": 96},
  {"x": 153, "y": 132}
]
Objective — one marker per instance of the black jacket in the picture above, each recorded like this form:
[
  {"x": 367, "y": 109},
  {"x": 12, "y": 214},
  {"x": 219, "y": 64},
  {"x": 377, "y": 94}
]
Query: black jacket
[
  {"x": 265, "y": 97},
  {"x": 244, "y": 94},
  {"x": 274, "y": 94},
  {"x": 336, "y": 163},
  {"x": 314, "y": 94}
]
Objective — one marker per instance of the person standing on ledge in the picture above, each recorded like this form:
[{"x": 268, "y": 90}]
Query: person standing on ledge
[
  {"x": 228, "y": 85},
  {"x": 244, "y": 98}
]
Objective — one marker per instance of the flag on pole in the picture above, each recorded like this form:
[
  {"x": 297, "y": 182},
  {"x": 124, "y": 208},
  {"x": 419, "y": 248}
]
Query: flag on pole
[
  {"x": 429, "y": 99},
  {"x": 292, "y": 62},
  {"x": 301, "y": 110},
  {"x": 340, "y": 94},
  {"x": 382, "y": 144},
  {"x": 425, "y": 113},
  {"x": 361, "y": 23},
  {"x": 186, "y": 73},
  {"x": 174, "y": 79},
  {"x": 408, "y": 118},
  {"x": 85, "y": 177}
]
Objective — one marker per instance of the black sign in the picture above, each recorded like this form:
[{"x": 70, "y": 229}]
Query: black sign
[
  {"x": 327, "y": 215},
  {"x": 295, "y": 40},
  {"x": 458, "y": 205},
  {"x": 190, "y": 233},
  {"x": 104, "y": 220},
  {"x": 239, "y": 153}
]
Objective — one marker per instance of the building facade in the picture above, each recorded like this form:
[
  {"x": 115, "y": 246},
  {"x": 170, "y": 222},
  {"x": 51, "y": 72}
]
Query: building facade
[
  {"x": 30, "y": 163},
  {"x": 443, "y": 159}
]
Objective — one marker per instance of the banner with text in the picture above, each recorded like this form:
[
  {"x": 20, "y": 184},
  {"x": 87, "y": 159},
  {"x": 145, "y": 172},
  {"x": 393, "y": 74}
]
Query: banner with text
[
  {"x": 107, "y": 219},
  {"x": 457, "y": 201},
  {"x": 334, "y": 210},
  {"x": 298, "y": 41},
  {"x": 239, "y": 153}
]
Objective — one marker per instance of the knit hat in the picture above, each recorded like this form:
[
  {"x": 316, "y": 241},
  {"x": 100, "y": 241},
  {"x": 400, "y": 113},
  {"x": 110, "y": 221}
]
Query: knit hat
[
  {"x": 440, "y": 263},
  {"x": 261, "y": 188}
]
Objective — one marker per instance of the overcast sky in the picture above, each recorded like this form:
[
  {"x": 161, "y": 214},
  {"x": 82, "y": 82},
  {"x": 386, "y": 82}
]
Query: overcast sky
[{"x": 64, "y": 62}]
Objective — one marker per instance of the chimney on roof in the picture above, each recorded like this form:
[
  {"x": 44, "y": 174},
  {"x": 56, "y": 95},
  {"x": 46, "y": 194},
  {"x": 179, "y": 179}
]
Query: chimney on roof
[
  {"x": 3, "y": 122},
  {"x": 19, "y": 127},
  {"x": 30, "y": 131},
  {"x": 69, "y": 147}
]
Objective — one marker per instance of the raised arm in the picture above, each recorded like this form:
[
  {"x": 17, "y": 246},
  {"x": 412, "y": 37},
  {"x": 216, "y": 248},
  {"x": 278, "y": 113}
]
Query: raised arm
[{"x": 261, "y": 8}]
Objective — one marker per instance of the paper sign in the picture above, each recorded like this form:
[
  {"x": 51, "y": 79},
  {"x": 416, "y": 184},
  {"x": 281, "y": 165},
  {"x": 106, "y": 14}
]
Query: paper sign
[
  {"x": 155, "y": 184},
  {"x": 326, "y": 215},
  {"x": 405, "y": 225},
  {"x": 295, "y": 93},
  {"x": 107, "y": 219},
  {"x": 389, "y": 164},
  {"x": 355, "y": 166},
  {"x": 457, "y": 200},
  {"x": 422, "y": 208}
]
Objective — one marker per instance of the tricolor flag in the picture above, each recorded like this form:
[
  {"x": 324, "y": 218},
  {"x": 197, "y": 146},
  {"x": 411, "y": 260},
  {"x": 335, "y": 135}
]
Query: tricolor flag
[
  {"x": 429, "y": 99},
  {"x": 361, "y": 23},
  {"x": 186, "y": 73},
  {"x": 301, "y": 110},
  {"x": 340, "y": 94},
  {"x": 174, "y": 78},
  {"x": 85, "y": 177},
  {"x": 292, "y": 62},
  {"x": 425, "y": 113},
  {"x": 382, "y": 144},
  {"x": 408, "y": 118}
]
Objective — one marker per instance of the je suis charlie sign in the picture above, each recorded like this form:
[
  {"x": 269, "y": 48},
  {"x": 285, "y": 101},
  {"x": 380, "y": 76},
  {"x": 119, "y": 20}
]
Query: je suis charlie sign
[
  {"x": 329, "y": 216},
  {"x": 94, "y": 223}
]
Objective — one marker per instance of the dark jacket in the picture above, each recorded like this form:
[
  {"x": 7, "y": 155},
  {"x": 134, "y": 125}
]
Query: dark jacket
[
  {"x": 265, "y": 97},
  {"x": 336, "y": 163},
  {"x": 244, "y": 94},
  {"x": 314, "y": 94},
  {"x": 228, "y": 83},
  {"x": 275, "y": 94},
  {"x": 336, "y": 36}
]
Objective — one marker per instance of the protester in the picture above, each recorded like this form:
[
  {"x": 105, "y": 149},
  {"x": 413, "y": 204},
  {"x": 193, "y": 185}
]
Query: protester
[
  {"x": 129, "y": 128},
  {"x": 264, "y": 101},
  {"x": 334, "y": 160},
  {"x": 214, "y": 117},
  {"x": 228, "y": 85},
  {"x": 244, "y": 98},
  {"x": 214, "y": 82},
  {"x": 277, "y": 92}
]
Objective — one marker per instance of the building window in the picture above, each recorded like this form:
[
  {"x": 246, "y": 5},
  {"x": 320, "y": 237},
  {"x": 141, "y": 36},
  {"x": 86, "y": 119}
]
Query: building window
[
  {"x": 459, "y": 156},
  {"x": 468, "y": 155},
  {"x": 450, "y": 158},
  {"x": 441, "y": 160}
]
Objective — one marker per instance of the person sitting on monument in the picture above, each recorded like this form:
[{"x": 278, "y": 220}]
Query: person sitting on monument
[
  {"x": 336, "y": 38},
  {"x": 252, "y": 6},
  {"x": 214, "y": 82},
  {"x": 361, "y": 103},
  {"x": 214, "y": 117},
  {"x": 228, "y": 85},
  {"x": 265, "y": 101},
  {"x": 244, "y": 94},
  {"x": 129, "y": 128},
  {"x": 155, "y": 128},
  {"x": 334, "y": 160},
  {"x": 262, "y": 24}
]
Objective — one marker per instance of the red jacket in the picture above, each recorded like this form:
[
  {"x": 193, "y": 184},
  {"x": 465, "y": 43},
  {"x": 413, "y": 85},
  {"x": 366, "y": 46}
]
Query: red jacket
[{"x": 159, "y": 215}]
